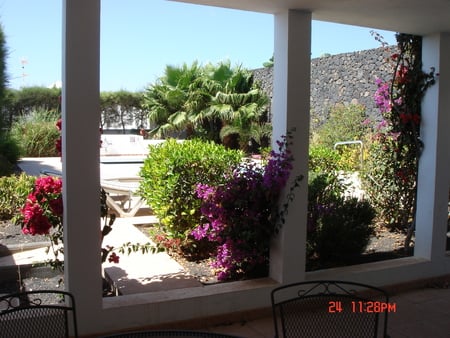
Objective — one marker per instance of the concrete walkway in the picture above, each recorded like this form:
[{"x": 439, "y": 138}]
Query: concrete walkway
[
  {"x": 138, "y": 272},
  {"x": 135, "y": 273}
]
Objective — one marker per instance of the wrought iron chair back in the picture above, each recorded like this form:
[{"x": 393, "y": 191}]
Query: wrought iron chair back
[
  {"x": 330, "y": 309},
  {"x": 38, "y": 314}
]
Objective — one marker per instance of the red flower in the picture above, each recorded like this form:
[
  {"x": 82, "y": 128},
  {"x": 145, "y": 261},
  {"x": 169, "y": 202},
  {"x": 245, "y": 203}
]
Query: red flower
[
  {"x": 42, "y": 205},
  {"x": 113, "y": 258},
  {"x": 56, "y": 206},
  {"x": 405, "y": 118},
  {"x": 416, "y": 118},
  {"x": 35, "y": 222},
  {"x": 401, "y": 76},
  {"x": 58, "y": 146}
]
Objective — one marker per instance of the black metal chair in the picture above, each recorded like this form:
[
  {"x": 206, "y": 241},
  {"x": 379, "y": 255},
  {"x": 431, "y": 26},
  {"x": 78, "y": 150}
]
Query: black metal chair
[
  {"x": 36, "y": 314},
  {"x": 169, "y": 333},
  {"x": 330, "y": 309}
]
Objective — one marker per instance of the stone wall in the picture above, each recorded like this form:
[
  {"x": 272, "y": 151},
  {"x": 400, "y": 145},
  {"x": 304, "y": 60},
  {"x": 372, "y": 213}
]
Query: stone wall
[{"x": 341, "y": 79}]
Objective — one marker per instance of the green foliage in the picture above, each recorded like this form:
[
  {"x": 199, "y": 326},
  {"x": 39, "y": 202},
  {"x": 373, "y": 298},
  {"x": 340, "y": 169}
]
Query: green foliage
[
  {"x": 117, "y": 108},
  {"x": 383, "y": 187},
  {"x": 24, "y": 101},
  {"x": 121, "y": 108},
  {"x": 36, "y": 134},
  {"x": 343, "y": 229},
  {"x": 8, "y": 150},
  {"x": 269, "y": 64},
  {"x": 13, "y": 194},
  {"x": 323, "y": 159},
  {"x": 324, "y": 189},
  {"x": 344, "y": 123},
  {"x": 9, "y": 154},
  {"x": 391, "y": 171},
  {"x": 6, "y": 168},
  {"x": 170, "y": 175},
  {"x": 213, "y": 102},
  {"x": 3, "y": 76},
  {"x": 337, "y": 227}
]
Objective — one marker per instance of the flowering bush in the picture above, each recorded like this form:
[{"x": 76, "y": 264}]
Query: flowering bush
[
  {"x": 43, "y": 215},
  {"x": 242, "y": 214},
  {"x": 43, "y": 208},
  {"x": 391, "y": 177},
  {"x": 169, "y": 177}
]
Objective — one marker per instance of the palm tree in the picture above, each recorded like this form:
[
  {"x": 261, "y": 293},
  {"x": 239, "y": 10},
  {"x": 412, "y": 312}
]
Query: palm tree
[
  {"x": 201, "y": 101},
  {"x": 166, "y": 100},
  {"x": 242, "y": 109}
]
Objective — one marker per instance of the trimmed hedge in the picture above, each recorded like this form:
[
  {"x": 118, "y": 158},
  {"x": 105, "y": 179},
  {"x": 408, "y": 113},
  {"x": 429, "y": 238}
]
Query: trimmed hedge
[{"x": 170, "y": 175}]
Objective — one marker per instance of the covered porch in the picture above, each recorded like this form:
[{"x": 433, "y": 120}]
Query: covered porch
[{"x": 290, "y": 107}]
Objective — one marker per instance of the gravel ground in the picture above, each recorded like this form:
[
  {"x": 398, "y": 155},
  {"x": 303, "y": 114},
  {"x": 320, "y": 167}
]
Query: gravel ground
[{"x": 12, "y": 238}]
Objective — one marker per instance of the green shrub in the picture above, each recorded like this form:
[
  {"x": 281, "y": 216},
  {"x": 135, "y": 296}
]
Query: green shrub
[
  {"x": 389, "y": 180},
  {"x": 337, "y": 227},
  {"x": 9, "y": 154},
  {"x": 6, "y": 168},
  {"x": 344, "y": 123},
  {"x": 323, "y": 159},
  {"x": 170, "y": 175},
  {"x": 344, "y": 229},
  {"x": 9, "y": 148},
  {"x": 36, "y": 134},
  {"x": 13, "y": 194}
]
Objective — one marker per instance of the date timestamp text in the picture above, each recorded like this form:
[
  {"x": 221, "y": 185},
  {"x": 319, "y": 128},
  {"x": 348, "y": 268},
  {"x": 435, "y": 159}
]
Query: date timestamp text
[{"x": 362, "y": 307}]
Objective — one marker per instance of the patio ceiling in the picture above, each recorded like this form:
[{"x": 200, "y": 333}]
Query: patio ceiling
[{"x": 406, "y": 16}]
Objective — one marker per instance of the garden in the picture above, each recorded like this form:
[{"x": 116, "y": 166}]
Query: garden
[{"x": 222, "y": 194}]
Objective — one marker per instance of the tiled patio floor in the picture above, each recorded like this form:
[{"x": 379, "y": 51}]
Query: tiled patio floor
[{"x": 420, "y": 313}]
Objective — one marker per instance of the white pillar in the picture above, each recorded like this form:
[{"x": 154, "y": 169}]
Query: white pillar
[
  {"x": 80, "y": 110},
  {"x": 434, "y": 168},
  {"x": 291, "y": 105}
]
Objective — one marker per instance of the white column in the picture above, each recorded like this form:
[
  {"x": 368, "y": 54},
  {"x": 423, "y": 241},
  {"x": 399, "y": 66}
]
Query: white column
[
  {"x": 80, "y": 110},
  {"x": 291, "y": 105},
  {"x": 434, "y": 169}
]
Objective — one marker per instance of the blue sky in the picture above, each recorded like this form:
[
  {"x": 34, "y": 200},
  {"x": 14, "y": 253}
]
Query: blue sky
[{"x": 140, "y": 37}]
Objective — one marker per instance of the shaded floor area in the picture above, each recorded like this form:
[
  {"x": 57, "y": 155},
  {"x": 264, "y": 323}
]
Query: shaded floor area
[{"x": 420, "y": 313}]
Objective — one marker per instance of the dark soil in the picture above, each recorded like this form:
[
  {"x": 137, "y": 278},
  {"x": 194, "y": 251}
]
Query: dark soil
[{"x": 384, "y": 245}]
